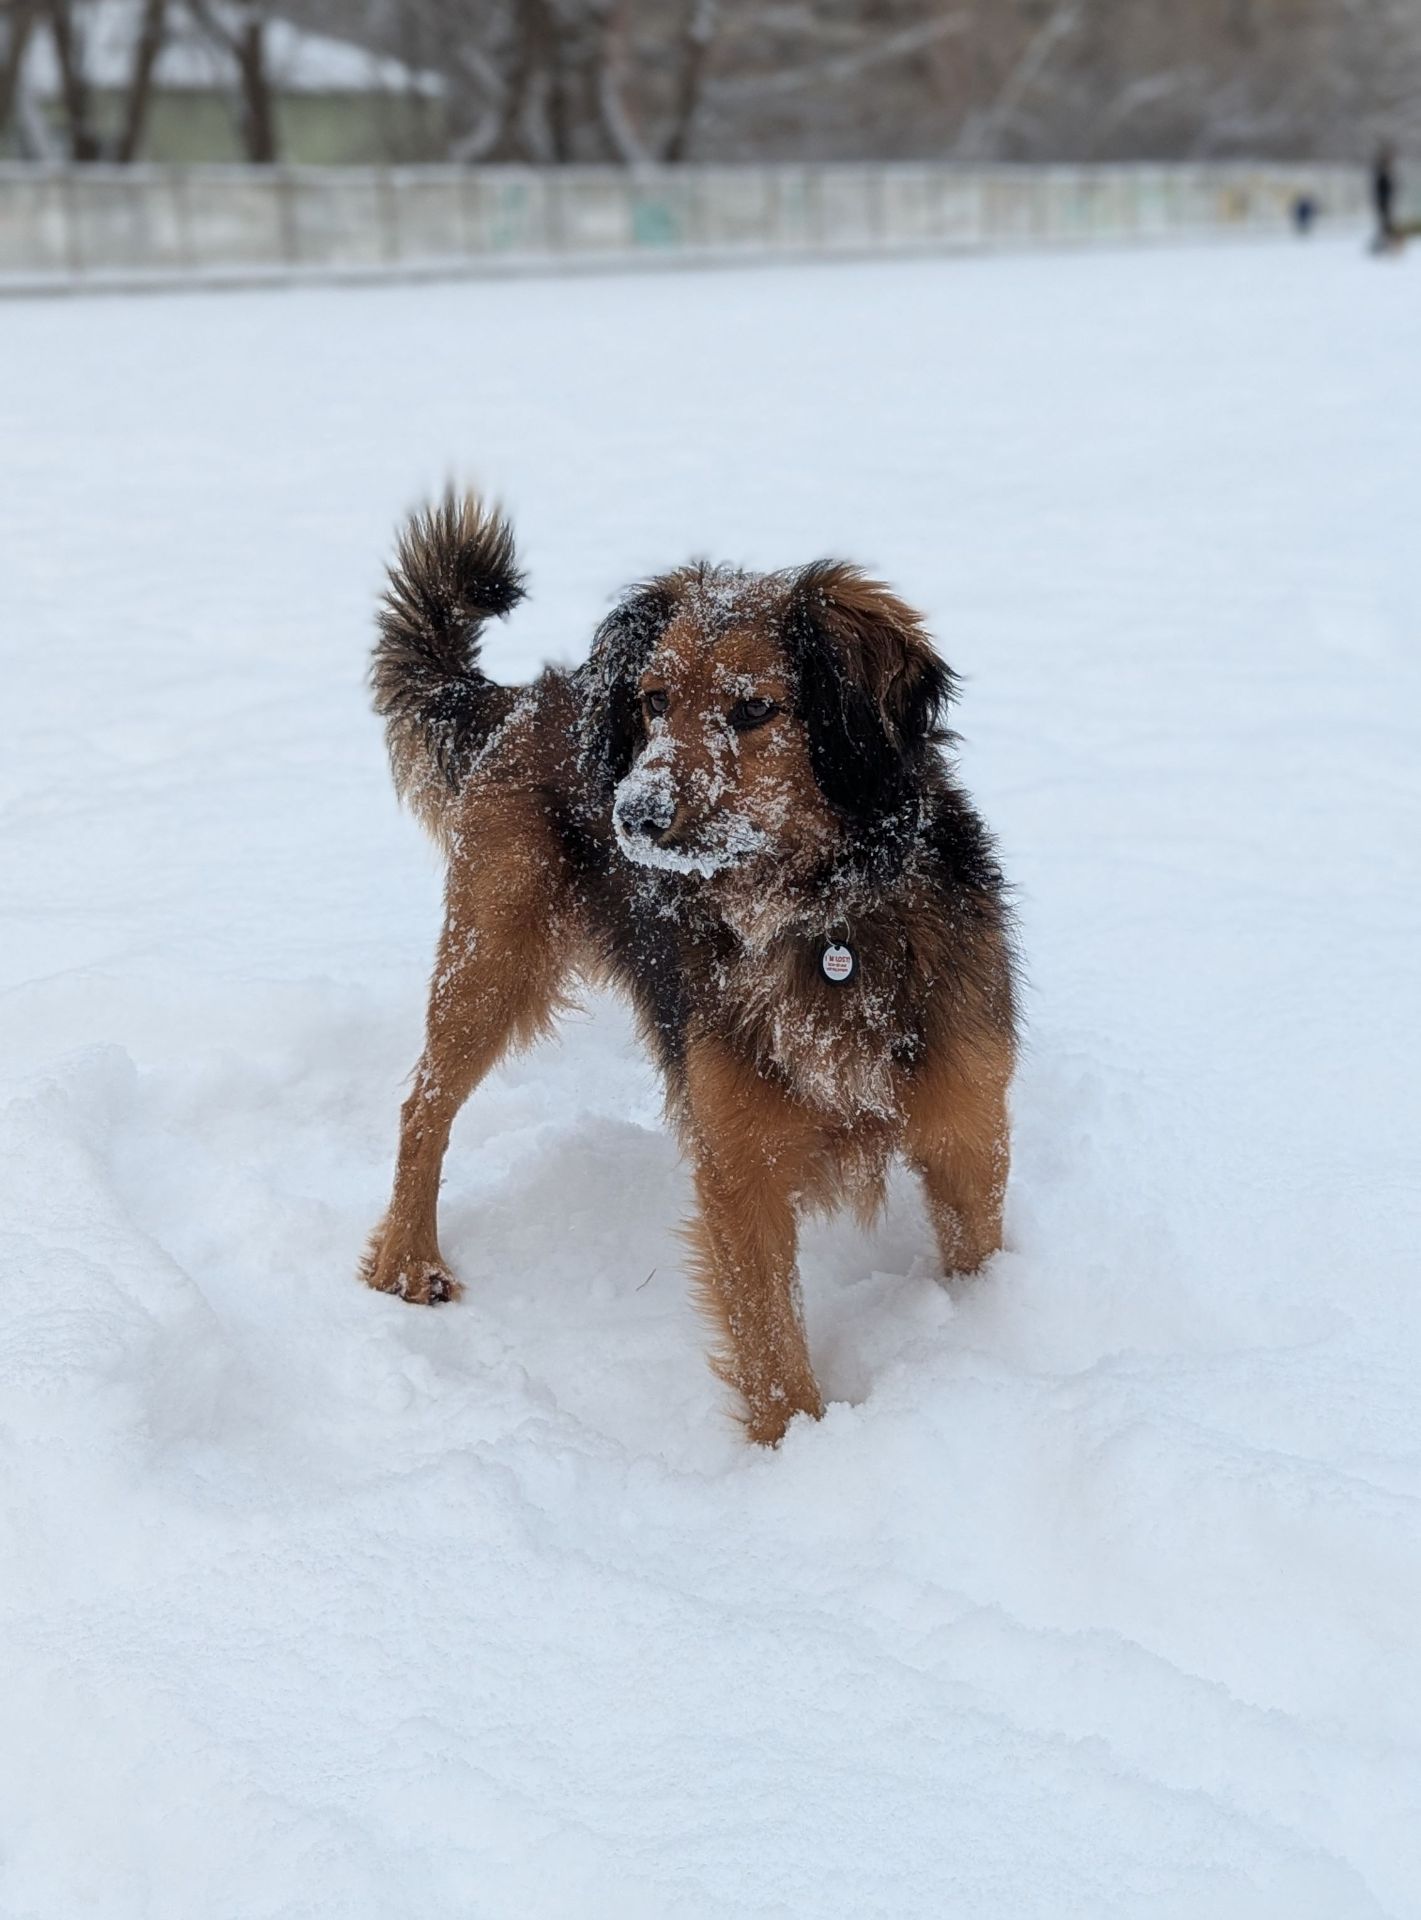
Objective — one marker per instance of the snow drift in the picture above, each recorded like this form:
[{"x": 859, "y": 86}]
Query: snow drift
[{"x": 1096, "y": 1592}]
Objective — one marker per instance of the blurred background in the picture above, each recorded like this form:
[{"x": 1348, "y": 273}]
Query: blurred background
[{"x": 628, "y": 82}]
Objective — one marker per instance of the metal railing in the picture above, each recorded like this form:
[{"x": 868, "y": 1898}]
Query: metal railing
[{"x": 76, "y": 226}]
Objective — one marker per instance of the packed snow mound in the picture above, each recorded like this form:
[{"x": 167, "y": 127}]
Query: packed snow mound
[{"x": 1096, "y": 1591}]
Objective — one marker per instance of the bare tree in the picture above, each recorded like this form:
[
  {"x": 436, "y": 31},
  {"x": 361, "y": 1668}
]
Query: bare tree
[
  {"x": 238, "y": 29},
  {"x": 698, "y": 42},
  {"x": 151, "y": 30},
  {"x": 981, "y": 131},
  {"x": 551, "y": 81},
  {"x": 67, "y": 33},
  {"x": 539, "y": 81},
  {"x": 612, "y": 83},
  {"x": 17, "y": 22},
  {"x": 89, "y": 135}
]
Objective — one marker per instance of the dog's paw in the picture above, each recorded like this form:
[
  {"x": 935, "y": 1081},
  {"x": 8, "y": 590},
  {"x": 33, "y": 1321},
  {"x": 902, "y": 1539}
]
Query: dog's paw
[
  {"x": 428, "y": 1285},
  {"x": 424, "y": 1283},
  {"x": 766, "y": 1421}
]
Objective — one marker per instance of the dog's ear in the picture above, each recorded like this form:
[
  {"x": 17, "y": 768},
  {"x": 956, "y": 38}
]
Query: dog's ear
[
  {"x": 871, "y": 687},
  {"x": 621, "y": 647}
]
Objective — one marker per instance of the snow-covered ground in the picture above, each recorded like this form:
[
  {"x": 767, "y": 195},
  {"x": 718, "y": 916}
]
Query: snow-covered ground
[{"x": 1098, "y": 1591}]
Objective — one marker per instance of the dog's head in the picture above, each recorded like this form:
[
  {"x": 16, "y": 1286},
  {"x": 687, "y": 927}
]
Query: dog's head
[{"x": 739, "y": 716}]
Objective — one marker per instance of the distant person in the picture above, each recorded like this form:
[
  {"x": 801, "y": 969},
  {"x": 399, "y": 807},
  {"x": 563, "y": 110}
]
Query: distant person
[
  {"x": 1304, "y": 213},
  {"x": 1384, "y": 200}
]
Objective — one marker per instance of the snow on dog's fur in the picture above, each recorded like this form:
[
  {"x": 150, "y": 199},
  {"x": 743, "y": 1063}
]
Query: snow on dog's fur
[{"x": 746, "y": 771}]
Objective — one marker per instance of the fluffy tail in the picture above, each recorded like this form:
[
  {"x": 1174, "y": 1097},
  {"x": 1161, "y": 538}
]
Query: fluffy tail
[{"x": 455, "y": 570}]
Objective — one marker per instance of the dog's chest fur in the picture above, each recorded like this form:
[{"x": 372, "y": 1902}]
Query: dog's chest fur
[
  {"x": 839, "y": 1047},
  {"x": 748, "y": 966}
]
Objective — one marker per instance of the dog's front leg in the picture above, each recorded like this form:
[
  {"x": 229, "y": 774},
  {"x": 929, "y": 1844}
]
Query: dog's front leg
[
  {"x": 958, "y": 1138},
  {"x": 751, "y": 1149}
]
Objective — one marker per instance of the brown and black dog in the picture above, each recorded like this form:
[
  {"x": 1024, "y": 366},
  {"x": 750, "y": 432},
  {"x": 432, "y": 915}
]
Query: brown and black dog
[{"x": 737, "y": 812}]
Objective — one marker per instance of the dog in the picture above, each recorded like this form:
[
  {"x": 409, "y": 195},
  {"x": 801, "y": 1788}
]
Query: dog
[{"x": 738, "y": 812}]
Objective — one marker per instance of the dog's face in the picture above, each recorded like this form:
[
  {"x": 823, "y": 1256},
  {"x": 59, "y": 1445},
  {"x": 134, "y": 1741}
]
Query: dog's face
[
  {"x": 720, "y": 772},
  {"x": 749, "y": 718}
]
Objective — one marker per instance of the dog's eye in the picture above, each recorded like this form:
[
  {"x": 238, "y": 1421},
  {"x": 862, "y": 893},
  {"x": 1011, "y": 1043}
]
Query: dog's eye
[
  {"x": 751, "y": 713},
  {"x": 656, "y": 703}
]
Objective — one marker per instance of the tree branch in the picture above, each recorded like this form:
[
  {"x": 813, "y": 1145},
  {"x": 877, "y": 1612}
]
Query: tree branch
[{"x": 844, "y": 66}]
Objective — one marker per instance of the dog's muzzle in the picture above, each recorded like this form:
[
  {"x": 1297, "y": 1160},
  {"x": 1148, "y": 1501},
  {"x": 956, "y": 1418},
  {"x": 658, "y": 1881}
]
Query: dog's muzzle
[
  {"x": 644, "y": 814},
  {"x": 654, "y": 827}
]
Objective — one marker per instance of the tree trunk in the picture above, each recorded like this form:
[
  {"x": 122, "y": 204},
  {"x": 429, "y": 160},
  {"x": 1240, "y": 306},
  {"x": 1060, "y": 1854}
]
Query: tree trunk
[
  {"x": 695, "y": 59},
  {"x": 140, "y": 86},
  {"x": 22, "y": 16},
  {"x": 245, "y": 44},
  {"x": 83, "y": 141},
  {"x": 258, "y": 108},
  {"x": 561, "y": 82},
  {"x": 525, "y": 133}
]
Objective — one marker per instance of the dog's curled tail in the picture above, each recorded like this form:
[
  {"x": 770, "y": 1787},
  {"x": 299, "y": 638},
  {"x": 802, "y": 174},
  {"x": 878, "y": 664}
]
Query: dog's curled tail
[{"x": 455, "y": 569}]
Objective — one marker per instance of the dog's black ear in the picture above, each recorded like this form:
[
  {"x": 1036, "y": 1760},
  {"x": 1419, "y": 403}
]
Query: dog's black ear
[
  {"x": 611, "y": 726},
  {"x": 871, "y": 687}
]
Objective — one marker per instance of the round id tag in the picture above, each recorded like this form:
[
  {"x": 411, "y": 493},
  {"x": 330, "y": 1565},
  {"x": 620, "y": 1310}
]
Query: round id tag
[{"x": 838, "y": 963}]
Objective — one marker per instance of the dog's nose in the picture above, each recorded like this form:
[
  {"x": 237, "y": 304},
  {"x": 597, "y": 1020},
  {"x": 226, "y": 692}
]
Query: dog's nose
[{"x": 646, "y": 816}]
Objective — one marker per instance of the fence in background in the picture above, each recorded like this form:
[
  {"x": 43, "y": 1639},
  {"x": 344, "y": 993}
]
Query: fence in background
[{"x": 101, "y": 226}]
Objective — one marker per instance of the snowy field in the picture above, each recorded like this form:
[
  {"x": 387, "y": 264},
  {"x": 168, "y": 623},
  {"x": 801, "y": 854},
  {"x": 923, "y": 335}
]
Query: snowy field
[{"x": 1098, "y": 1591}]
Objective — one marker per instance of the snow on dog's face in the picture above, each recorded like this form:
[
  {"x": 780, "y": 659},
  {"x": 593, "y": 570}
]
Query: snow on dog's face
[
  {"x": 720, "y": 773},
  {"x": 740, "y": 718}
]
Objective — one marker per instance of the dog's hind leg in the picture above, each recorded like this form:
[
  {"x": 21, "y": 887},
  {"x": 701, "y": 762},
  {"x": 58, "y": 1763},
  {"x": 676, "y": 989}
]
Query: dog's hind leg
[
  {"x": 753, "y": 1151},
  {"x": 502, "y": 959},
  {"x": 958, "y": 1138}
]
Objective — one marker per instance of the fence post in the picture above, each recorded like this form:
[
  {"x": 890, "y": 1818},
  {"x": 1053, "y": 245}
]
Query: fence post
[
  {"x": 283, "y": 186},
  {"x": 73, "y": 238},
  {"x": 387, "y": 214},
  {"x": 182, "y": 218}
]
